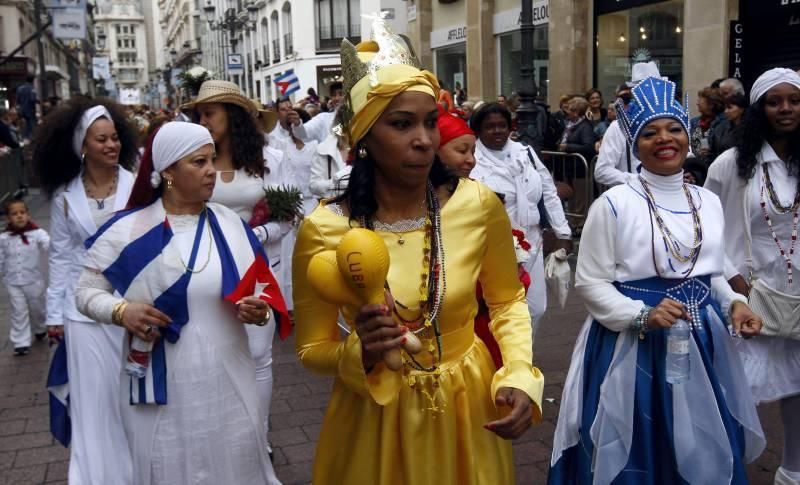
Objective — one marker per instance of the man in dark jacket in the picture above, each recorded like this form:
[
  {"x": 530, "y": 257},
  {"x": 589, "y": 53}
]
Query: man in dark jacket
[{"x": 26, "y": 106}]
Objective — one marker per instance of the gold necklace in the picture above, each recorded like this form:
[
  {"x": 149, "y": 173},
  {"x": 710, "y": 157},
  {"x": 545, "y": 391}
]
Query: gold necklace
[{"x": 208, "y": 256}]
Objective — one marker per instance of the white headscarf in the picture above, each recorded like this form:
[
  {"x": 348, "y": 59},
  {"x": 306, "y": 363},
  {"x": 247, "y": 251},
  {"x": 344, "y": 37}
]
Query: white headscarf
[
  {"x": 770, "y": 79},
  {"x": 174, "y": 141},
  {"x": 89, "y": 116}
]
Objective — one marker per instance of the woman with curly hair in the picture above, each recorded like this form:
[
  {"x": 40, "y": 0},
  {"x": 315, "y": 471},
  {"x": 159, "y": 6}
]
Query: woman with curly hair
[
  {"x": 84, "y": 151},
  {"x": 758, "y": 182},
  {"x": 245, "y": 167}
]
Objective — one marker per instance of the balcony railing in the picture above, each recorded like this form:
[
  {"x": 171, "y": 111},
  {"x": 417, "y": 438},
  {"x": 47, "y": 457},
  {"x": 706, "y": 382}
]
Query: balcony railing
[
  {"x": 330, "y": 37},
  {"x": 287, "y": 44}
]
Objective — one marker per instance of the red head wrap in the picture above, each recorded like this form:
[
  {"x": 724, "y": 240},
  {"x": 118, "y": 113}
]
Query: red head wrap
[{"x": 451, "y": 127}]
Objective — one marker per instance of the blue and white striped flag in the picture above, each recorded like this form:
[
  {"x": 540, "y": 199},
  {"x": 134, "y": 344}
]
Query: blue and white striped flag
[
  {"x": 288, "y": 82},
  {"x": 129, "y": 250}
]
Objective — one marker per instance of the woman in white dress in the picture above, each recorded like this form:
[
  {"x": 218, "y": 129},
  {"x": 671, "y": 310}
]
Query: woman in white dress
[
  {"x": 83, "y": 153},
  {"x": 654, "y": 255},
  {"x": 758, "y": 182},
  {"x": 191, "y": 274},
  {"x": 515, "y": 172},
  {"x": 245, "y": 167}
]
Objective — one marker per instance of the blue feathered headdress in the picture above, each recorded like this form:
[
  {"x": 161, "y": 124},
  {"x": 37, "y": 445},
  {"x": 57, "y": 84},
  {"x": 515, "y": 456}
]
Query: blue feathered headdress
[{"x": 653, "y": 98}]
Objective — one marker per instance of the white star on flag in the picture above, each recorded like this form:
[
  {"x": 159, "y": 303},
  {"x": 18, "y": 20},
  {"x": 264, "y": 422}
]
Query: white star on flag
[{"x": 260, "y": 289}]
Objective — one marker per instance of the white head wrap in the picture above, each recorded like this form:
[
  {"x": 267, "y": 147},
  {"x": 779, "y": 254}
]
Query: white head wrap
[
  {"x": 772, "y": 78},
  {"x": 174, "y": 141},
  {"x": 89, "y": 116}
]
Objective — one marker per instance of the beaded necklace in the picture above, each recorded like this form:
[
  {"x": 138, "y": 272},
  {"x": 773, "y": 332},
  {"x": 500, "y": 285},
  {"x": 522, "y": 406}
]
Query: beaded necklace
[
  {"x": 766, "y": 185},
  {"x": 432, "y": 287},
  {"x": 672, "y": 243}
]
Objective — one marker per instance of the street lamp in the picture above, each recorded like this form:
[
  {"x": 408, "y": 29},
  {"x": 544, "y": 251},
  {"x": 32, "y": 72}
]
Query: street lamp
[
  {"x": 526, "y": 113},
  {"x": 232, "y": 21}
]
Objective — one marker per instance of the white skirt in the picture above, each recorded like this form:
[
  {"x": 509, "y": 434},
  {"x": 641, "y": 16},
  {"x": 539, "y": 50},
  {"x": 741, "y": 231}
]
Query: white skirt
[{"x": 772, "y": 366}]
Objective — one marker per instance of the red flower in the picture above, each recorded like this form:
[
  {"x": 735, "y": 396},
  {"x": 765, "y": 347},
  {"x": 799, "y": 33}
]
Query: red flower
[
  {"x": 523, "y": 243},
  {"x": 261, "y": 214}
]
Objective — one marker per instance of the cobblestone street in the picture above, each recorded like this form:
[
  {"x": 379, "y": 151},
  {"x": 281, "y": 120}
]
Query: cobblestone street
[{"x": 29, "y": 455}]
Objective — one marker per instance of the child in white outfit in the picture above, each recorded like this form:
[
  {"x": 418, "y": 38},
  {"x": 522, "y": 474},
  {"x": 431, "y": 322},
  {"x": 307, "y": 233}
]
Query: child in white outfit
[{"x": 22, "y": 248}]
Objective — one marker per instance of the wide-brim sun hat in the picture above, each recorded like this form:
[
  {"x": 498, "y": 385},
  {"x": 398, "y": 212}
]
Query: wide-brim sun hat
[
  {"x": 218, "y": 91},
  {"x": 267, "y": 117}
]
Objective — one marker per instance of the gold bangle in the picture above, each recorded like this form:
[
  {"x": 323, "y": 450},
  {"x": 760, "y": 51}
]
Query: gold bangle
[
  {"x": 264, "y": 321},
  {"x": 117, "y": 312}
]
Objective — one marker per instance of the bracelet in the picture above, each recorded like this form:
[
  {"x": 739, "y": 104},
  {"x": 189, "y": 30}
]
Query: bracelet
[
  {"x": 118, "y": 311},
  {"x": 640, "y": 324},
  {"x": 264, "y": 321}
]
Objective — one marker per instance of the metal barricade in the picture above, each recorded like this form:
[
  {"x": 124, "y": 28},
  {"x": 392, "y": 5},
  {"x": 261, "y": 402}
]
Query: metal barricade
[{"x": 574, "y": 170}]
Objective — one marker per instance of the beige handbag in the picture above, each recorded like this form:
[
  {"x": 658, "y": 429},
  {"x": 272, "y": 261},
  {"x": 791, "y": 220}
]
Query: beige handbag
[{"x": 780, "y": 312}]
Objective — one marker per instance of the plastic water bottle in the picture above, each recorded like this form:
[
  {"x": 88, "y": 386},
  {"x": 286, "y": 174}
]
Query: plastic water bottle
[
  {"x": 138, "y": 357},
  {"x": 678, "y": 352}
]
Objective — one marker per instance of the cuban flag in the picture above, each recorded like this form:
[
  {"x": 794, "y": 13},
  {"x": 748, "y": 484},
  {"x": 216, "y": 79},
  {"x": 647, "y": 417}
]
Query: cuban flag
[
  {"x": 58, "y": 387},
  {"x": 288, "y": 82},
  {"x": 130, "y": 250}
]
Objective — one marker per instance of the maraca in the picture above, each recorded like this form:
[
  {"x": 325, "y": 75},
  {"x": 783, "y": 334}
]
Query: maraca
[{"x": 355, "y": 274}]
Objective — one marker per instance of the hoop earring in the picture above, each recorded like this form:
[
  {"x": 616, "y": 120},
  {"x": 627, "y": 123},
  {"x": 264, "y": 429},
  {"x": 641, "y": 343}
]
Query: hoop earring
[
  {"x": 169, "y": 184},
  {"x": 362, "y": 152}
]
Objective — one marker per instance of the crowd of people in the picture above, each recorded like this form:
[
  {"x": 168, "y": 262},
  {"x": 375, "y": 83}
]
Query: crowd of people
[{"x": 172, "y": 266}]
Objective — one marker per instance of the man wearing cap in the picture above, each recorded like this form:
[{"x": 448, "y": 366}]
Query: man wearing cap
[{"x": 616, "y": 163}]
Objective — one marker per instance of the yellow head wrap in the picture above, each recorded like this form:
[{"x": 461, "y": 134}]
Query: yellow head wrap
[{"x": 374, "y": 73}]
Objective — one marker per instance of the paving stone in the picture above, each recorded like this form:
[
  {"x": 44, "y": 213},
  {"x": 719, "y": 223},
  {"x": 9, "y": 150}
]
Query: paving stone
[
  {"x": 280, "y": 406},
  {"x": 25, "y": 441},
  {"x": 312, "y": 431},
  {"x": 7, "y": 459},
  {"x": 12, "y": 427},
  {"x": 23, "y": 476},
  {"x": 530, "y": 453},
  {"x": 530, "y": 475},
  {"x": 296, "y": 418},
  {"x": 28, "y": 412},
  {"x": 289, "y": 392},
  {"x": 300, "y": 453},
  {"x": 286, "y": 437},
  {"x": 38, "y": 424},
  {"x": 314, "y": 401},
  {"x": 57, "y": 471},
  {"x": 298, "y": 474},
  {"x": 36, "y": 456}
]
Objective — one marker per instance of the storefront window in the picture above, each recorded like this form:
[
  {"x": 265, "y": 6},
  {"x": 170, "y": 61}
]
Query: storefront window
[
  {"x": 651, "y": 32},
  {"x": 451, "y": 66},
  {"x": 511, "y": 61}
]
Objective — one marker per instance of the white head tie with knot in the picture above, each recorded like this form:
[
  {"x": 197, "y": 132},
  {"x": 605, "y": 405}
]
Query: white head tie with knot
[
  {"x": 174, "y": 141},
  {"x": 89, "y": 116}
]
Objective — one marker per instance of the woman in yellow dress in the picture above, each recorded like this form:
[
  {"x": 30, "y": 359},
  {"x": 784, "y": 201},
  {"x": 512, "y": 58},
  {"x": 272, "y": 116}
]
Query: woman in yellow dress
[{"x": 448, "y": 415}]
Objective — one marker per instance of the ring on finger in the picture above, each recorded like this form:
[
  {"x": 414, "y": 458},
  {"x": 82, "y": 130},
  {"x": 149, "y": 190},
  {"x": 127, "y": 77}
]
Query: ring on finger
[{"x": 149, "y": 329}]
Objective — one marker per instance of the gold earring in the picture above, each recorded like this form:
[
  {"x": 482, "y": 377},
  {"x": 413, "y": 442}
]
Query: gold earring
[
  {"x": 169, "y": 183},
  {"x": 362, "y": 152},
  {"x": 83, "y": 158}
]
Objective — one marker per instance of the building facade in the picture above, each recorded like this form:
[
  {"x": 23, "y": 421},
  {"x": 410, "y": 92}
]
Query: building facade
[
  {"x": 67, "y": 63},
  {"x": 579, "y": 44},
  {"x": 121, "y": 24}
]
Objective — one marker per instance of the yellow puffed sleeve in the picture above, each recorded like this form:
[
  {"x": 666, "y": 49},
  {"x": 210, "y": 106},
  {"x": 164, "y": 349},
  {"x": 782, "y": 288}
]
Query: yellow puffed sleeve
[
  {"x": 318, "y": 338},
  {"x": 508, "y": 310}
]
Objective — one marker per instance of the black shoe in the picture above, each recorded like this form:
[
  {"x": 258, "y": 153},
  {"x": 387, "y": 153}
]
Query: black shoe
[
  {"x": 41, "y": 336},
  {"x": 22, "y": 351},
  {"x": 270, "y": 453}
]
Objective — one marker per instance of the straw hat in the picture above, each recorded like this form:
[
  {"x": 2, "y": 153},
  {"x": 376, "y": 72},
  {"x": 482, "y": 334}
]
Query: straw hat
[
  {"x": 267, "y": 117},
  {"x": 218, "y": 91}
]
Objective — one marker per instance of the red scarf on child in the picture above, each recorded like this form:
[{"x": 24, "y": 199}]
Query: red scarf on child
[{"x": 30, "y": 226}]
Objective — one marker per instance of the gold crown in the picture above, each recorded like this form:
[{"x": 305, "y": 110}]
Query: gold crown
[{"x": 385, "y": 48}]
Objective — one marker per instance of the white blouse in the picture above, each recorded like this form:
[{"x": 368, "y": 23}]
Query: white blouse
[
  {"x": 738, "y": 196},
  {"x": 620, "y": 245},
  {"x": 241, "y": 194},
  {"x": 20, "y": 263}
]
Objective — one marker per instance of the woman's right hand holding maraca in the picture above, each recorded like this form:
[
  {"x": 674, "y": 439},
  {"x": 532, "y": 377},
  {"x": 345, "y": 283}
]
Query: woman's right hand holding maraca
[{"x": 378, "y": 333}]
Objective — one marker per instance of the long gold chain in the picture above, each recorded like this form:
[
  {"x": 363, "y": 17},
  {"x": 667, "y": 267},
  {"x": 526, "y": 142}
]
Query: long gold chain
[{"x": 210, "y": 243}]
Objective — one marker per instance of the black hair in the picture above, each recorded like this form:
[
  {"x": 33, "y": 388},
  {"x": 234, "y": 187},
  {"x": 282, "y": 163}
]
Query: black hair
[
  {"x": 53, "y": 157},
  {"x": 360, "y": 192},
  {"x": 304, "y": 116},
  {"x": 246, "y": 140},
  {"x": 716, "y": 83},
  {"x": 334, "y": 86},
  {"x": 487, "y": 109},
  {"x": 755, "y": 129},
  {"x": 738, "y": 99}
]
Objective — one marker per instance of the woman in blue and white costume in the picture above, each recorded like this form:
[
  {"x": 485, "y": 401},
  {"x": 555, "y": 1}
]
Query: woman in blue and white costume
[{"x": 656, "y": 255}]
